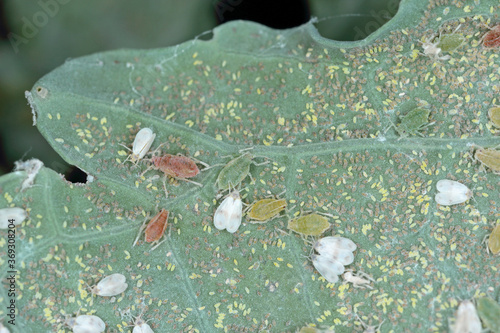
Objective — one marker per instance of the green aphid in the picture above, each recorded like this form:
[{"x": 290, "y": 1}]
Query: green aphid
[
  {"x": 234, "y": 172},
  {"x": 309, "y": 225},
  {"x": 450, "y": 42},
  {"x": 494, "y": 114},
  {"x": 489, "y": 312},
  {"x": 413, "y": 122}
]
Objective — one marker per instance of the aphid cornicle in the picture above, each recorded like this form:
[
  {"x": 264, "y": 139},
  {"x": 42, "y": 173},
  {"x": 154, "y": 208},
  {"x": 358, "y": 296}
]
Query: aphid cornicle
[
  {"x": 111, "y": 285},
  {"x": 466, "y": 319},
  {"x": 15, "y": 214},
  {"x": 142, "y": 142},
  {"x": 228, "y": 214},
  {"x": 489, "y": 312},
  {"x": 451, "y": 192},
  {"x": 309, "y": 225},
  {"x": 86, "y": 324},
  {"x": 265, "y": 209}
]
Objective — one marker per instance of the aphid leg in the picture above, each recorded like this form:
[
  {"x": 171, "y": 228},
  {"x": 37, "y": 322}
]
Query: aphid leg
[
  {"x": 165, "y": 186},
  {"x": 190, "y": 181},
  {"x": 154, "y": 247},
  {"x": 128, "y": 157},
  {"x": 143, "y": 226},
  {"x": 206, "y": 165},
  {"x": 149, "y": 168}
]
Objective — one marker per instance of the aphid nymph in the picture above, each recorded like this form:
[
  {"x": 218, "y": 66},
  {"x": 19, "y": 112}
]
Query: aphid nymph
[
  {"x": 142, "y": 142},
  {"x": 451, "y": 192},
  {"x": 358, "y": 280},
  {"x": 228, "y": 214},
  {"x": 309, "y": 225},
  {"x": 234, "y": 172},
  {"x": 265, "y": 209},
  {"x": 155, "y": 229},
  {"x": 111, "y": 285},
  {"x": 489, "y": 157},
  {"x": 412, "y": 122}
]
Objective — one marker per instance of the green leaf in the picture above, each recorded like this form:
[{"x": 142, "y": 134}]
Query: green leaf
[{"x": 320, "y": 112}]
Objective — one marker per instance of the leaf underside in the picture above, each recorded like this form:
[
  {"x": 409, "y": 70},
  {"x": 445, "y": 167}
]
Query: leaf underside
[{"x": 318, "y": 110}]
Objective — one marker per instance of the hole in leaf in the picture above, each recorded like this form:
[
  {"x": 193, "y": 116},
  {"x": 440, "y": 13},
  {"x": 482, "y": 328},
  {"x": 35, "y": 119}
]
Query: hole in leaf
[{"x": 75, "y": 175}]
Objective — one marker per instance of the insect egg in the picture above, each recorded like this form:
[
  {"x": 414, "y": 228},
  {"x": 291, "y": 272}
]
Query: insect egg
[
  {"x": 451, "y": 192},
  {"x": 228, "y": 214},
  {"x": 14, "y": 215},
  {"x": 111, "y": 285}
]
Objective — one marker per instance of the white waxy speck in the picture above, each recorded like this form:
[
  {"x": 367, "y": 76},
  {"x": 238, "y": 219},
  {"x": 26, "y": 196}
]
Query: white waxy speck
[
  {"x": 142, "y": 142},
  {"x": 451, "y": 192},
  {"x": 142, "y": 328},
  {"x": 15, "y": 214},
  {"x": 111, "y": 285},
  {"x": 228, "y": 214},
  {"x": 86, "y": 324},
  {"x": 466, "y": 319}
]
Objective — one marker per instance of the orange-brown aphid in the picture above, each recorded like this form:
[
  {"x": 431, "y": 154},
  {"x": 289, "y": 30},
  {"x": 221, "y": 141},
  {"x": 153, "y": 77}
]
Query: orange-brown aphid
[
  {"x": 489, "y": 157},
  {"x": 492, "y": 38},
  {"x": 155, "y": 228},
  {"x": 265, "y": 209},
  {"x": 177, "y": 166}
]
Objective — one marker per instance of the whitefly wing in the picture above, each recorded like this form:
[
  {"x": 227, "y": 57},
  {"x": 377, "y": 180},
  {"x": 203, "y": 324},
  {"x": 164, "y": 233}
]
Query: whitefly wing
[
  {"x": 328, "y": 268},
  {"x": 142, "y": 142},
  {"x": 143, "y": 328},
  {"x": 234, "y": 221},
  {"x": 329, "y": 244},
  {"x": 88, "y": 324},
  {"x": 221, "y": 216},
  {"x": 111, "y": 285}
]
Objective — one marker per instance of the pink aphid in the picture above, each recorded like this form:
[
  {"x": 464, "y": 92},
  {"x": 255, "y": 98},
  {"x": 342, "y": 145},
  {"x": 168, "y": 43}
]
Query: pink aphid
[
  {"x": 492, "y": 38},
  {"x": 176, "y": 166}
]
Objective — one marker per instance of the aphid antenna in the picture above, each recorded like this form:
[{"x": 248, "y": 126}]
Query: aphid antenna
[
  {"x": 369, "y": 328},
  {"x": 143, "y": 226}
]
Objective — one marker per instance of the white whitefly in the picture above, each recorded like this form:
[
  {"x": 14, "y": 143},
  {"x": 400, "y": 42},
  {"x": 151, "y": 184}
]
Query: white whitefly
[
  {"x": 86, "y": 324},
  {"x": 111, "y": 285},
  {"x": 328, "y": 268},
  {"x": 466, "y": 319},
  {"x": 451, "y": 192},
  {"x": 142, "y": 142},
  {"x": 13, "y": 213},
  {"x": 228, "y": 214}
]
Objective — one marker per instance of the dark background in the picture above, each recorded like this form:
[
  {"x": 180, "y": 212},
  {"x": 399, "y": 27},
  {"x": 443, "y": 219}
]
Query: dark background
[{"x": 37, "y": 36}]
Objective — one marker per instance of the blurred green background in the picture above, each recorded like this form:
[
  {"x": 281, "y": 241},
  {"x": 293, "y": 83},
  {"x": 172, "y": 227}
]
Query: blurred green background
[{"x": 39, "y": 35}]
